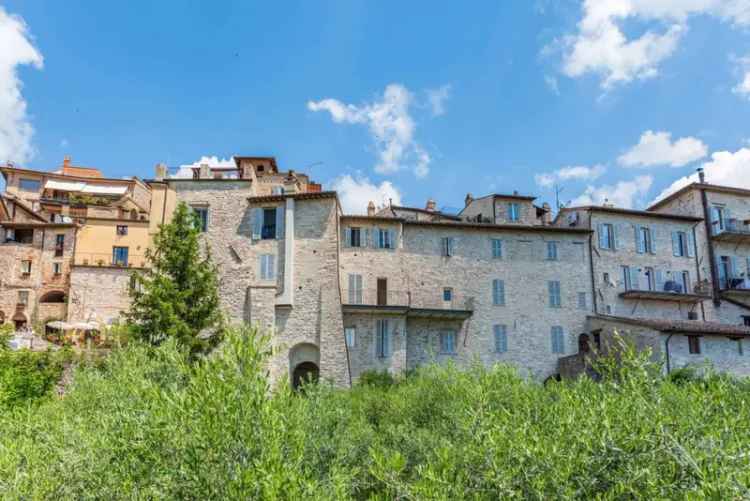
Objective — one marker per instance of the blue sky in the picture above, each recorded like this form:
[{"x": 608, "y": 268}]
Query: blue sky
[{"x": 409, "y": 100}]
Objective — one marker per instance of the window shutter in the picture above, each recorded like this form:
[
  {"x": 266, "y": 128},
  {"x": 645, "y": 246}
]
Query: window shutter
[
  {"x": 391, "y": 239},
  {"x": 280, "y": 211},
  {"x": 347, "y": 237},
  {"x": 262, "y": 270},
  {"x": 351, "y": 289},
  {"x": 257, "y": 217},
  {"x": 675, "y": 244},
  {"x": 501, "y": 339},
  {"x": 379, "y": 338},
  {"x": 659, "y": 280},
  {"x": 735, "y": 267},
  {"x": 616, "y": 237},
  {"x": 602, "y": 239},
  {"x": 498, "y": 292},
  {"x": 635, "y": 279},
  {"x": 271, "y": 267},
  {"x": 640, "y": 243},
  {"x": 366, "y": 241},
  {"x": 722, "y": 273},
  {"x": 377, "y": 240},
  {"x": 690, "y": 244}
]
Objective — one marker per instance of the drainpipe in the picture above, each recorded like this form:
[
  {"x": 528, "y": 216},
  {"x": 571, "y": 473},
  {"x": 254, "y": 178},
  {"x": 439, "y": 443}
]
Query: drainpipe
[
  {"x": 593, "y": 279},
  {"x": 697, "y": 267},
  {"x": 666, "y": 349},
  {"x": 711, "y": 255}
]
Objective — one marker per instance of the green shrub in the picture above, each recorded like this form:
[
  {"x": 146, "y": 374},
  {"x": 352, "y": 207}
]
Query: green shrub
[
  {"x": 28, "y": 376},
  {"x": 382, "y": 379}
]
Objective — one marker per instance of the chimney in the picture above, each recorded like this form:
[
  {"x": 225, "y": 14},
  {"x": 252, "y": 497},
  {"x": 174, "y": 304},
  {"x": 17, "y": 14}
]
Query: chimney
[
  {"x": 205, "y": 172},
  {"x": 430, "y": 205},
  {"x": 66, "y": 161},
  {"x": 468, "y": 199},
  {"x": 161, "y": 172},
  {"x": 547, "y": 216},
  {"x": 371, "y": 208},
  {"x": 701, "y": 175},
  {"x": 515, "y": 193}
]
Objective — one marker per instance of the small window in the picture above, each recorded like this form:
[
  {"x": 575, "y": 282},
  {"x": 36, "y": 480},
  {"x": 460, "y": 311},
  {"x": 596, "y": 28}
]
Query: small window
[
  {"x": 608, "y": 309},
  {"x": 501, "y": 338},
  {"x": 558, "y": 340},
  {"x": 448, "y": 342},
  {"x": 267, "y": 267},
  {"x": 59, "y": 245},
  {"x": 685, "y": 281},
  {"x": 386, "y": 239},
  {"x": 694, "y": 345},
  {"x": 268, "y": 230},
  {"x": 122, "y": 230},
  {"x": 514, "y": 212},
  {"x": 582, "y": 301},
  {"x": 26, "y": 267},
  {"x": 605, "y": 277},
  {"x": 644, "y": 242},
  {"x": 355, "y": 289},
  {"x": 650, "y": 279},
  {"x": 355, "y": 237},
  {"x": 29, "y": 184},
  {"x": 606, "y": 236},
  {"x": 382, "y": 339},
  {"x": 57, "y": 268},
  {"x": 21, "y": 236},
  {"x": 746, "y": 320},
  {"x": 498, "y": 292},
  {"x": 680, "y": 245},
  {"x": 119, "y": 256},
  {"x": 350, "y": 334},
  {"x": 447, "y": 294},
  {"x": 23, "y": 297},
  {"x": 497, "y": 248},
  {"x": 552, "y": 251},
  {"x": 740, "y": 349},
  {"x": 277, "y": 190},
  {"x": 555, "y": 299},
  {"x": 201, "y": 214},
  {"x": 448, "y": 246}
]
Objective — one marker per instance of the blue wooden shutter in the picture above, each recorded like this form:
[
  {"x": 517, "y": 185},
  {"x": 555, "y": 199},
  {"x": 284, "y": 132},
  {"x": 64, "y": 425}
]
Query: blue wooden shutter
[
  {"x": 635, "y": 282},
  {"x": 498, "y": 292},
  {"x": 391, "y": 239},
  {"x": 690, "y": 244},
  {"x": 501, "y": 338},
  {"x": 640, "y": 244},
  {"x": 257, "y": 217},
  {"x": 659, "y": 280},
  {"x": 602, "y": 239},
  {"x": 366, "y": 241},
  {"x": 676, "y": 244},
  {"x": 652, "y": 235},
  {"x": 280, "y": 222},
  {"x": 348, "y": 237}
]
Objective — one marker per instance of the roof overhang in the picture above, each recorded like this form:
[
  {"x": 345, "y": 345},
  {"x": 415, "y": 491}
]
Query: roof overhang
[{"x": 664, "y": 296}]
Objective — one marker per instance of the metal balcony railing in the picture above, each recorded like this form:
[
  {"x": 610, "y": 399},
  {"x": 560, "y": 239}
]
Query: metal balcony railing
[
  {"x": 734, "y": 283},
  {"x": 733, "y": 225},
  {"x": 373, "y": 297},
  {"x": 108, "y": 259}
]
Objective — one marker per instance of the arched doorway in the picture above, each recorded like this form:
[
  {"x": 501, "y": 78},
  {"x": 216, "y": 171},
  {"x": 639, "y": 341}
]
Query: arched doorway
[
  {"x": 53, "y": 297},
  {"x": 305, "y": 373},
  {"x": 304, "y": 364}
]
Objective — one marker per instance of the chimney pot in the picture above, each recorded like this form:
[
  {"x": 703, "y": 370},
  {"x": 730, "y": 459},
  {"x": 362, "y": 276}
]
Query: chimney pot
[
  {"x": 66, "y": 161},
  {"x": 161, "y": 171},
  {"x": 371, "y": 208},
  {"x": 430, "y": 205},
  {"x": 701, "y": 175},
  {"x": 468, "y": 199}
]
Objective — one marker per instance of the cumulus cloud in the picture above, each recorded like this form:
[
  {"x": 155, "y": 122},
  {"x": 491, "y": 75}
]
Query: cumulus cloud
[
  {"x": 356, "y": 193},
  {"x": 657, "y": 148},
  {"x": 437, "y": 98},
  {"x": 391, "y": 125},
  {"x": 625, "y": 194},
  {"x": 16, "y": 130},
  {"x": 573, "y": 173},
  {"x": 601, "y": 47},
  {"x": 186, "y": 170},
  {"x": 724, "y": 168},
  {"x": 743, "y": 86}
]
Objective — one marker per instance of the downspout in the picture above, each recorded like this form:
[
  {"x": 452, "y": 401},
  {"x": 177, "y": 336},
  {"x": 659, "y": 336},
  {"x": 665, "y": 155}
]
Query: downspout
[
  {"x": 591, "y": 267},
  {"x": 666, "y": 349},
  {"x": 697, "y": 267},
  {"x": 338, "y": 279},
  {"x": 711, "y": 255}
]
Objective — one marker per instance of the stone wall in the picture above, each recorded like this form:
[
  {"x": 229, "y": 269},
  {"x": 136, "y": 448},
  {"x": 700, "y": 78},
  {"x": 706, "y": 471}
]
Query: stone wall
[
  {"x": 98, "y": 294},
  {"x": 363, "y": 356},
  {"x": 722, "y": 353}
]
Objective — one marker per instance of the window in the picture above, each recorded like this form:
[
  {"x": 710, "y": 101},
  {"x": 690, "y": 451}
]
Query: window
[
  {"x": 498, "y": 293},
  {"x": 746, "y": 320},
  {"x": 120, "y": 256},
  {"x": 582, "y": 301},
  {"x": 59, "y": 245},
  {"x": 57, "y": 268},
  {"x": 683, "y": 244},
  {"x": 685, "y": 281},
  {"x": 448, "y": 342},
  {"x": 355, "y": 289},
  {"x": 26, "y": 267},
  {"x": 555, "y": 301},
  {"x": 608, "y": 309},
  {"x": 552, "y": 251},
  {"x": 350, "y": 334},
  {"x": 29, "y": 184},
  {"x": 644, "y": 240},
  {"x": 497, "y": 248},
  {"x": 386, "y": 239},
  {"x": 605, "y": 277},
  {"x": 606, "y": 236},
  {"x": 267, "y": 267},
  {"x": 23, "y": 297},
  {"x": 630, "y": 279},
  {"x": 740, "y": 350},
  {"x": 558, "y": 340},
  {"x": 448, "y": 246},
  {"x": 122, "y": 230},
  {"x": 201, "y": 214},
  {"x": 650, "y": 279},
  {"x": 717, "y": 219},
  {"x": 447, "y": 294},
  {"x": 269, "y": 224},
  {"x": 694, "y": 345},
  {"x": 514, "y": 212},
  {"x": 501, "y": 338},
  {"x": 277, "y": 190},
  {"x": 20, "y": 235},
  {"x": 354, "y": 237},
  {"x": 382, "y": 339}
]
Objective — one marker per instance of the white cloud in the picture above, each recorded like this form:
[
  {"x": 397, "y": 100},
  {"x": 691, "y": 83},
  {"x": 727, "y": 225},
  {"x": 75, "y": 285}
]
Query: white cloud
[
  {"x": 574, "y": 173},
  {"x": 625, "y": 194},
  {"x": 601, "y": 47},
  {"x": 437, "y": 98},
  {"x": 391, "y": 126},
  {"x": 657, "y": 148},
  {"x": 186, "y": 170},
  {"x": 724, "y": 168},
  {"x": 17, "y": 49},
  {"x": 551, "y": 83},
  {"x": 743, "y": 86},
  {"x": 355, "y": 194}
]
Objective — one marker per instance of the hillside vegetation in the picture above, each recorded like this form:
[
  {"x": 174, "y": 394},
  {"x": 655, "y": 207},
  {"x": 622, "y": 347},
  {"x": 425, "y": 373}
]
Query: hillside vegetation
[{"x": 149, "y": 424}]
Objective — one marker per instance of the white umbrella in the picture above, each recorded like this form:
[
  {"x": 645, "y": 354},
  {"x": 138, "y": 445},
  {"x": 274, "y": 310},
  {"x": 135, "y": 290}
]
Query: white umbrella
[
  {"x": 85, "y": 326},
  {"x": 58, "y": 324}
]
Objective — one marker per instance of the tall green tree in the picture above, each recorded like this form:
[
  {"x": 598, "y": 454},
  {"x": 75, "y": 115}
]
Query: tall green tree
[{"x": 177, "y": 297}]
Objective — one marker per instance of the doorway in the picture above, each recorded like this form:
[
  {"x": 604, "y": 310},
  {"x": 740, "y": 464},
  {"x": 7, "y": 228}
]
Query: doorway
[
  {"x": 305, "y": 373},
  {"x": 382, "y": 291}
]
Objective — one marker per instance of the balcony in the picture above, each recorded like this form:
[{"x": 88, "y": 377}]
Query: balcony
[
  {"x": 730, "y": 230},
  {"x": 108, "y": 260},
  {"x": 404, "y": 302},
  {"x": 671, "y": 291}
]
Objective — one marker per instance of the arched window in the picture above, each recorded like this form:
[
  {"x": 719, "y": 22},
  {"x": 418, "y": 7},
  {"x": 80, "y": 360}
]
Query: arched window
[{"x": 53, "y": 297}]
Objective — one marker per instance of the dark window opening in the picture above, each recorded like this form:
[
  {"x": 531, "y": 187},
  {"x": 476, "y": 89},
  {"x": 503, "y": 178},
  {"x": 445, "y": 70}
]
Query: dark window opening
[
  {"x": 122, "y": 230},
  {"x": 53, "y": 297},
  {"x": 59, "y": 245},
  {"x": 694, "y": 344},
  {"x": 746, "y": 320},
  {"x": 269, "y": 224}
]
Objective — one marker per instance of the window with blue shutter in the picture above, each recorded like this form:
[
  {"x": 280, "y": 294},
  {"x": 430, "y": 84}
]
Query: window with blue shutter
[
  {"x": 558, "y": 340},
  {"x": 280, "y": 212},
  {"x": 552, "y": 251},
  {"x": 355, "y": 288},
  {"x": 680, "y": 244},
  {"x": 606, "y": 236},
  {"x": 256, "y": 215},
  {"x": 501, "y": 338},
  {"x": 498, "y": 292},
  {"x": 385, "y": 238},
  {"x": 514, "y": 212},
  {"x": 582, "y": 301},
  {"x": 267, "y": 267},
  {"x": 690, "y": 244},
  {"x": 350, "y": 335},
  {"x": 497, "y": 248},
  {"x": 555, "y": 301},
  {"x": 448, "y": 342},
  {"x": 448, "y": 246},
  {"x": 382, "y": 339}
]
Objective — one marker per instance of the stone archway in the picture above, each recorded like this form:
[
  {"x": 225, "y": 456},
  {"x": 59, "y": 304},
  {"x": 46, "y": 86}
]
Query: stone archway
[{"x": 304, "y": 363}]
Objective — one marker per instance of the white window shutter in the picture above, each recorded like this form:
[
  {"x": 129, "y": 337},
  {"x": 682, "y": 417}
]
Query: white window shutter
[
  {"x": 616, "y": 237},
  {"x": 366, "y": 241},
  {"x": 351, "y": 294},
  {"x": 272, "y": 267},
  {"x": 602, "y": 239},
  {"x": 690, "y": 244},
  {"x": 659, "y": 280},
  {"x": 280, "y": 211},
  {"x": 347, "y": 237},
  {"x": 635, "y": 279},
  {"x": 392, "y": 239},
  {"x": 675, "y": 244},
  {"x": 377, "y": 241},
  {"x": 640, "y": 244},
  {"x": 652, "y": 234},
  {"x": 257, "y": 217}
]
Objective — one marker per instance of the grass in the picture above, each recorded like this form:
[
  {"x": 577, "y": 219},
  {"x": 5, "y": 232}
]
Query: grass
[{"x": 148, "y": 425}]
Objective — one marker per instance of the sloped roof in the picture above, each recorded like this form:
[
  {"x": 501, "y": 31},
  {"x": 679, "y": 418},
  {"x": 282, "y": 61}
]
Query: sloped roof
[{"x": 680, "y": 326}]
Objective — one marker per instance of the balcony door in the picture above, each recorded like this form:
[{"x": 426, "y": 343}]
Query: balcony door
[{"x": 382, "y": 291}]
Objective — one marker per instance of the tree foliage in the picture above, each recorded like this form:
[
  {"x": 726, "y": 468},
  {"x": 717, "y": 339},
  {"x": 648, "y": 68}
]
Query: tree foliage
[{"x": 177, "y": 297}]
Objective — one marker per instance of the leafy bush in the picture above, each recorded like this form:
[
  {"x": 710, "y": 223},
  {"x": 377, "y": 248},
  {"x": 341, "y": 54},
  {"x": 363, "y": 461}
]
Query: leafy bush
[
  {"x": 28, "y": 376},
  {"x": 382, "y": 379},
  {"x": 151, "y": 425}
]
